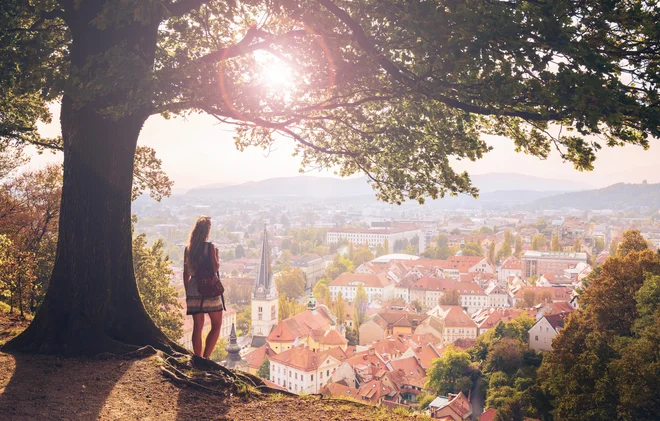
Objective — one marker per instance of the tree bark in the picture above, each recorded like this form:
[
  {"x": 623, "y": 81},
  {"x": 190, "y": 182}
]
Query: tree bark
[{"x": 92, "y": 304}]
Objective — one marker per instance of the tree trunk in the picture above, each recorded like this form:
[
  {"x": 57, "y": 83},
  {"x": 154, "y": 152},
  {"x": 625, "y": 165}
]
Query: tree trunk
[
  {"x": 20, "y": 294},
  {"x": 92, "y": 304}
]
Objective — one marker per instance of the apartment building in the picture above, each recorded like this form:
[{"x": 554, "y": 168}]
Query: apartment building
[{"x": 536, "y": 263}]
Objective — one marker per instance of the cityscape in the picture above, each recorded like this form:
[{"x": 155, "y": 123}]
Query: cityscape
[
  {"x": 380, "y": 292},
  {"x": 330, "y": 210}
]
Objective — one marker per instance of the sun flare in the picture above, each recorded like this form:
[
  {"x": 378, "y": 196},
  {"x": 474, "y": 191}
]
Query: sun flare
[{"x": 275, "y": 73}]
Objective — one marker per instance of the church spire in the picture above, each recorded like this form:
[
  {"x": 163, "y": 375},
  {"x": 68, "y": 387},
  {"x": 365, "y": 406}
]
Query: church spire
[
  {"x": 311, "y": 303},
  {"x": 233, "y": 359},
  {"x": 263, "y": 285}
]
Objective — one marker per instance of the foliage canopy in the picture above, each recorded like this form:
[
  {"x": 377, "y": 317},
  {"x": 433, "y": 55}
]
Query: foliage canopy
[{"x": 394, "y": 89}]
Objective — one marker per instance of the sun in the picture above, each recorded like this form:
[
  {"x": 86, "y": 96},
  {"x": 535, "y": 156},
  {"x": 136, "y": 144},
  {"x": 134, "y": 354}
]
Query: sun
[{"x": 275, "y": 73}]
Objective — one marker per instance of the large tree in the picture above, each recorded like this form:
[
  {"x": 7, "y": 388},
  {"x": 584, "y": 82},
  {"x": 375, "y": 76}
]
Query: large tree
[
  {"x": 290, "y": 282},
  {"x": 394, "y": 89},
  {"x": 605, "y": 363}
]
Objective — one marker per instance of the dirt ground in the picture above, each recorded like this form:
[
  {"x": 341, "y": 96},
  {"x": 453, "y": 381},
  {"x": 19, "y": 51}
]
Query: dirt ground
[{"x": 36, "y": 387}]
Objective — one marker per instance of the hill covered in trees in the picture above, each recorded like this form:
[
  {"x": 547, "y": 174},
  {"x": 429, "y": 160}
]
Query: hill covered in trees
[{"x": 617, "y": 196}]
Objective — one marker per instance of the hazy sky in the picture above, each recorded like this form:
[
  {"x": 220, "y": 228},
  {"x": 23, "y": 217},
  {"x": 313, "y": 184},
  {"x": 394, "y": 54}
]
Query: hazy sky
[{"x": 198, "y": 151}]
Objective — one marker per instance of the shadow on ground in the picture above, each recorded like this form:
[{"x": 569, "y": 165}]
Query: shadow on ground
[{"x": 47, "y": 388}]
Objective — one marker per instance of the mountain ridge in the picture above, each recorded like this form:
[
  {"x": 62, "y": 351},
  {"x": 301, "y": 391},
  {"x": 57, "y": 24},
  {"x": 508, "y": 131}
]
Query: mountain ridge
[
  {"x": 329, "y": 187},
  {"x": 616, "y": 196}
]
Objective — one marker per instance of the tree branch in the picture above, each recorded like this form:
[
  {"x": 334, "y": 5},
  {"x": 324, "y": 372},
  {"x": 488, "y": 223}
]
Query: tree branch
[
  {"x": 364, "y": 41},
  {"x": 281, "y": 127},
  {"x": 183, "y": 7},
  {"x": 244, "y": 46}
]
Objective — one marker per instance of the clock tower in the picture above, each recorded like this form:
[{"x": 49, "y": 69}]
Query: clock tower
[{"x": 264, "y": 298}]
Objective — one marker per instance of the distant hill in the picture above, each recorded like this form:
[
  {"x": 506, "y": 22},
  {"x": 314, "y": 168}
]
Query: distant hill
[
  {"x": 616, "y": 196},
  {"x": 302, "y": 186},
  {"x": 327, "y": 187},
  {"x": 512, "y": 181}
]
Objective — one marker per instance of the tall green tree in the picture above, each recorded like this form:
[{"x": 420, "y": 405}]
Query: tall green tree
[
  {"x": 361, "y": 255},
  {"x": 614, "y": 244},
  {"x": 554, "y": 243},
  {"x": 397, "y": 91},
  {"x": 632, "y": 240},
  {"x": 239, "y": 252},
  {"x": 451, "y": 297},
  {"x": 606, "y": 360},
  {"x": 321, "y": 291},
  {"x": 472, "y": 249},
  {"x": 538, "y": 242},
  {"x": 599, "y": 246},
  {"x": 577, "y": 245},
  {"x": 153, "y": 274},
  {"x": 360, "y": 306},
  {"x": 264, "y": 369},
  {"x": 338, "y": 266},
  {"x": 340, "y": 309},
  {"x": 290, "y": 282},
  {"x": 518, "y": 247},
  {"x": 507, "y": 245},
  {"x": 450, "y": 373}
]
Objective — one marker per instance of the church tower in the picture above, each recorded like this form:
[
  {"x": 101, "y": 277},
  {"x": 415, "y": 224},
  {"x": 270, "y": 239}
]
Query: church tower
[{"x": 264, "y": 298}]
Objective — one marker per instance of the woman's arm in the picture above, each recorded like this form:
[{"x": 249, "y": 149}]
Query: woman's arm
[
  {"x": 214, "y": 257},
  {"x": 186, "y": 272}
]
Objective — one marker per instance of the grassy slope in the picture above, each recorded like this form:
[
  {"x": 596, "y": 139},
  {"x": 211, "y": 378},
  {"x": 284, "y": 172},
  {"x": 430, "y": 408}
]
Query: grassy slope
[{"x": 47, "y": 387}]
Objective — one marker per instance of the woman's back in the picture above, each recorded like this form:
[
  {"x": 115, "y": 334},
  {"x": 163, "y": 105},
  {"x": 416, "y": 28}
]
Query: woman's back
[{"x": 203, "y": 267}]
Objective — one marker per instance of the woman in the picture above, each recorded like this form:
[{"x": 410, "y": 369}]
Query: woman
[{"x": 197, "y": 253}]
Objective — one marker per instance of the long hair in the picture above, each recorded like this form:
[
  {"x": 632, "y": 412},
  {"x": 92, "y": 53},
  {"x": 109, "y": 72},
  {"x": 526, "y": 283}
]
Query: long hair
[{"x": 198, "y": 237}]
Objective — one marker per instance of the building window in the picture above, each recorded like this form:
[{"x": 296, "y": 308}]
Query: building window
[
  {"x": 296, "y": 376},
  {"x": 536, "y": 338}
]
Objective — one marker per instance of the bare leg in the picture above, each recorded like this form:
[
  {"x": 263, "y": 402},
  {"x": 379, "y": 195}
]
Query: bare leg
[
  {"x": 212, "y": 337},
  {"x": 198, "y": 326}
]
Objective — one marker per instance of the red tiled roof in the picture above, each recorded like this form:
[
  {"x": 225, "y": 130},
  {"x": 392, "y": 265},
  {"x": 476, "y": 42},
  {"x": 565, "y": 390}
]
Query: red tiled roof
[
  {"x": 394, "y": 229},
  {"x": 302, "y": 358},
  {"x": 500, "y": 315},
  {"x": 272, "y": 385},
  {"x": 256, "y": 357},
  {"x": 557, "y": 320},
  {"x": 457, "y": 317},
  {"x": 558, "y": 307},
  {"x": 300, "y": 325},
  {"x": 337, "y": 389},
  {"x": 426, "y": 354},
  {"x": 373, "y": 390},
  {"x": 410, "y": 366},
  {"x": 488, "y": 415},
  {"x": 512, "y": 263},
  {"x": 392, "y": 347},
  {"x": 332, "y": 337},
  {"x": 557, "y": 293},
  {"x": 462, "y": 263},
  {"x": 460, "y": 405}
]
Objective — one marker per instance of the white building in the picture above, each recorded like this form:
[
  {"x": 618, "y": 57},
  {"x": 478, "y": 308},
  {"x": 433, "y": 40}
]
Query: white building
[
  {"x": 545, "y": 330},
  {"x": 377, "y": 286},
  {"x": 301, "y": 370},
  {"x": 510, "y": 267},
  {"x": 497, "y": 296},
  {"x": 376, "y": 236}
]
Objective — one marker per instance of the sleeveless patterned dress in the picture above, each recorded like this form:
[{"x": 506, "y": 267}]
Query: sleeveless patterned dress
[{"x": 195, "y": 302}]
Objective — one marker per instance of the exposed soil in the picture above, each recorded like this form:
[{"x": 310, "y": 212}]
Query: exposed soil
[{"x": 51, "y": 388}]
